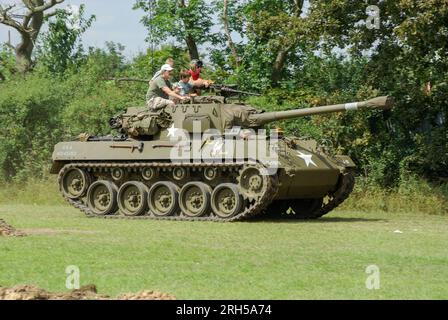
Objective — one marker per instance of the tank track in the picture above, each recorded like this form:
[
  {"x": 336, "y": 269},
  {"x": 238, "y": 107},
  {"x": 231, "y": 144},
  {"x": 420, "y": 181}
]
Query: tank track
[
  {"x": 341, "y": 194},
  {"x": 252, "y": 209},
  {"x": 336, "y": 198}
]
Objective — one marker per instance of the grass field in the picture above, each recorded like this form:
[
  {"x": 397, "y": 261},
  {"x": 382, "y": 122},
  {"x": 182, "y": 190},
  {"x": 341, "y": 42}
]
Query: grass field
[{"x": 324, "y": 259}]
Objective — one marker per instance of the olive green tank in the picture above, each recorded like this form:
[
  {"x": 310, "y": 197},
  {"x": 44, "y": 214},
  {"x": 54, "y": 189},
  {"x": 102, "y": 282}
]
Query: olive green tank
[{"x": 205, "y": 160}]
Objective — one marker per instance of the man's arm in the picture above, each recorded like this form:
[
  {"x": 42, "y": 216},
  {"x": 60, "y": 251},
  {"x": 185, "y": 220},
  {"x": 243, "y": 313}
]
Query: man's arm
[
  {"x": 200, "y": 83},
  {"x": 173, "y": 94},
  {"x": 191, "y": 91}
]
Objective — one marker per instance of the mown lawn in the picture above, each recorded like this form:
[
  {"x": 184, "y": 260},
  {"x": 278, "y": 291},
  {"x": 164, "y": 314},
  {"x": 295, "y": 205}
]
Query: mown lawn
[{"x": 324, "y": 259}]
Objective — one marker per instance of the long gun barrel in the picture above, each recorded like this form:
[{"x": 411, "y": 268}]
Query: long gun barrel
[{"x": 383, "y": 103}]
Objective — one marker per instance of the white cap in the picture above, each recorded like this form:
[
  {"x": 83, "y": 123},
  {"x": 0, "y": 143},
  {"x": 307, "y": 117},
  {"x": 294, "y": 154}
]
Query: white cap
[{"x": 166, "y": 67}]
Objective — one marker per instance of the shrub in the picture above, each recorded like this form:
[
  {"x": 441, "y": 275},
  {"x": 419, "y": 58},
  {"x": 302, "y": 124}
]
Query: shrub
[{"x": 30, "y": 111}]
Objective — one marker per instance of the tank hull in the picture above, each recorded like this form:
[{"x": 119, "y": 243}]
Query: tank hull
[{"x": 302, "y": 172}]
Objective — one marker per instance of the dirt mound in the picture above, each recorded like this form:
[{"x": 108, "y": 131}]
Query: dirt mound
[
  {"x": 85, "y": 293},
  {"x": 35, "y": 293},
  {"x": 8, "y": 231}
]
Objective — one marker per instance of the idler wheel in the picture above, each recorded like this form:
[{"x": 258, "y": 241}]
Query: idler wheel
[
  {"x": 226, "y": 200},
  {"x": 195, "y": 199},
  {"x": 163, "y": 199},
  {"x": 132, "y": 198},
  {"x": 75, "y": 183},
  {"x": 102, "y": 198}
]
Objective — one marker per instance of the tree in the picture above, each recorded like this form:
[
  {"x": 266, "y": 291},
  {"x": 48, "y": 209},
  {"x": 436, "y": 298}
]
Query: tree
[
  {"x": 406, "y": 46},
  {"x": 61, "y": 45},
  {"x": 6, "y": 62},
  {"x": 279, "y": 29},
  {"x": 398, "y": 48},
  {"x": 187, "y": 21},
  {"x": 409, "y": 60},
  {"x": 28, "y": 25},
  {"x": 227, "y": 31}
]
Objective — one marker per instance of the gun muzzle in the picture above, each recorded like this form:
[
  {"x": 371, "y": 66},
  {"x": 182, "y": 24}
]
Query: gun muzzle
[{"x": 384, "y": 103}]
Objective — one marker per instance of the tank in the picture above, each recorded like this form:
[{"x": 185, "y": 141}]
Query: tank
[{"x": 205, "y": 160}]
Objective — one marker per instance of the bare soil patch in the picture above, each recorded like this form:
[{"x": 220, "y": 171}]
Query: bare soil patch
[
  {"x": 7, "y": 230},
  {"x": 46, "y": 231},
  {"x": 88, "y": 292}
]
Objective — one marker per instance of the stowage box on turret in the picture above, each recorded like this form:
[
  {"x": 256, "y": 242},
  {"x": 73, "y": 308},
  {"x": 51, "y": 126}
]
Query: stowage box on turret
[{"x": 206, "y": 160}]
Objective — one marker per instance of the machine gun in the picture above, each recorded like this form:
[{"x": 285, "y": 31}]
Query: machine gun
[{"x": 228, "y": 91}]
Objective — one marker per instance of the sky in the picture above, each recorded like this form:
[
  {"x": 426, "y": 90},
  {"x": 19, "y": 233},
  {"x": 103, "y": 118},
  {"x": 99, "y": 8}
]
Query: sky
[{"x": 115, "y": 21}]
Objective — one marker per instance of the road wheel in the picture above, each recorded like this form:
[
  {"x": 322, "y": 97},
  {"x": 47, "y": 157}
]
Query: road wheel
[
  {"x": 226, "y": 200},
  {"x": 75, "y": 183},
  {"x": 132, "y": 198},
  {"x": 102, "y": 198},
  {"x": 194, "y": 199},
  {"x": 163, "y": 199}
]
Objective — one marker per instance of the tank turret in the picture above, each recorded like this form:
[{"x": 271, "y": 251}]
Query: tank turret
[{"x": 138, "y": 122}]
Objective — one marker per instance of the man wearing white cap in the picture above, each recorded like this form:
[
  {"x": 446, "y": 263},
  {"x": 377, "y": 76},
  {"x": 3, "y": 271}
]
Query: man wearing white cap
[
  {"x": 160, "y": 90},
  {"x": 169, "y": 61}
]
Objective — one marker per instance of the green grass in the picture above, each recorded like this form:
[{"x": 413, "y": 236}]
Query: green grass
[
  {"x": 324, "y": 259},
  {"x": 416, "y": 196}
]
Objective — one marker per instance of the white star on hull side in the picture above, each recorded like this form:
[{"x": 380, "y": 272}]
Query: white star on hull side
[
  {"x": 172, "y": 132},
  {"x": 308, "y": 158}
]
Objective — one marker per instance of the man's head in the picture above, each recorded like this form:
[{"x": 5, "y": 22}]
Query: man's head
[
  {"x": 166, "y": 71},
  {"x": 184, "y": 76}
]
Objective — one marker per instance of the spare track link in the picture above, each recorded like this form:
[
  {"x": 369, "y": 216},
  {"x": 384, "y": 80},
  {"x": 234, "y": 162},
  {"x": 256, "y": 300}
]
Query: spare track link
[{"x": 252, "y": 210}]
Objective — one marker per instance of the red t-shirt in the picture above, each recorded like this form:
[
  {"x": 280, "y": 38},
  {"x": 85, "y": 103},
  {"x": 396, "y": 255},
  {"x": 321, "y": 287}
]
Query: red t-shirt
[{"x": 195, "y": 74}]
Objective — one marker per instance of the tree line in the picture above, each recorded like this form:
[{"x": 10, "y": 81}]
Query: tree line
[{"x": 297, "y": 53}]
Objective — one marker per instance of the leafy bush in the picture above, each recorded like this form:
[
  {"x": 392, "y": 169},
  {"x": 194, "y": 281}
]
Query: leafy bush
[
  {"x": 7, "y": 62},
  {"x": 30, "y": 110},
  {"x": 39, "y": 110},
  {"x": 412, "y": 195}
]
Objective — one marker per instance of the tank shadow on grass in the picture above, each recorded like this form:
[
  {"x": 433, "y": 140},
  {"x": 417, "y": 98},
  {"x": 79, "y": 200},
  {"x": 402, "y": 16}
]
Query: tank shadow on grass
[{"x": 286, "y": 219}]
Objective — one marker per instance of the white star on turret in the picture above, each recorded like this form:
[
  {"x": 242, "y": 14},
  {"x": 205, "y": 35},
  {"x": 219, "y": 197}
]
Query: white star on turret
[
  {"x": 172, "y": 131},
  {"x": 308, "y": 158}
]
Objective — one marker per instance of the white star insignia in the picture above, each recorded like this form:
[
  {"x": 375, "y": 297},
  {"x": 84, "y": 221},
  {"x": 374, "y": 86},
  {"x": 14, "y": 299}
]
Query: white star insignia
[
  {"x": 172, "y": 131},
  {"x": 308, "y": 158},
  {"x": 218, "y": 149}
]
